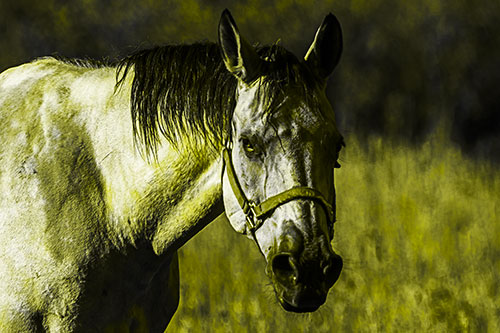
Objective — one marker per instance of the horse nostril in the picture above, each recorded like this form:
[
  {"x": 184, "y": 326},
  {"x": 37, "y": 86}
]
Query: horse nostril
[
  {"x": 285, "y": 268},
  {"x": 332, "y": 270}
]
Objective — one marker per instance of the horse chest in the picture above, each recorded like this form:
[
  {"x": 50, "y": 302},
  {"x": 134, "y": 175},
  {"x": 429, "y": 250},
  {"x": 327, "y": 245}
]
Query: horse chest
[{"x": 118, "y": 294}]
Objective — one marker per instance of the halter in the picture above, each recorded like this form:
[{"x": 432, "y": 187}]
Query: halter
[{"x": 256, "y": 213}]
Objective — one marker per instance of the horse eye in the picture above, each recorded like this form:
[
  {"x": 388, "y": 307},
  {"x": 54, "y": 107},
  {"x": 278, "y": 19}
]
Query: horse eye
[{"x": 247, "y": 145}]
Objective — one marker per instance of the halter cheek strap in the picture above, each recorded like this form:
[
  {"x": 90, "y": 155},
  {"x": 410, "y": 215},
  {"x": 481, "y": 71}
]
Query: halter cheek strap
[{"x": 256, "y": 213}]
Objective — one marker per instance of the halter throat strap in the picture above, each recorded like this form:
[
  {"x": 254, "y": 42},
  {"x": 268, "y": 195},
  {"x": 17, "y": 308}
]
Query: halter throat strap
[{"x": 256, "y": 213}]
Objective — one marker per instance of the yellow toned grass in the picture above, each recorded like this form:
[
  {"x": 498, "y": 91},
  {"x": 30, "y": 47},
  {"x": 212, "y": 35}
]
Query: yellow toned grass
[{"x": 419, "y": 230}]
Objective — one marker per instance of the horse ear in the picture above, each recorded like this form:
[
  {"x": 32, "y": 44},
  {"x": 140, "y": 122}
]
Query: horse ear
[
  {"x": 324, "y": 53},
  {"x": 239, "y": 57}
]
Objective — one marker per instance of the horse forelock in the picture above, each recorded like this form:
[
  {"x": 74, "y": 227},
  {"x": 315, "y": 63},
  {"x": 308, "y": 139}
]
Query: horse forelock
[{"x": 282, "y": 72}]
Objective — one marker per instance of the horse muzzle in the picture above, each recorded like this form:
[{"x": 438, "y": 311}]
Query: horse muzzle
[{"x": 302, "y": 279}]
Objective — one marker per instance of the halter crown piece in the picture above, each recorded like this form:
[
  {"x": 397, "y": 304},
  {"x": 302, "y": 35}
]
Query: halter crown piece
[{"x": 256, "y": 213}]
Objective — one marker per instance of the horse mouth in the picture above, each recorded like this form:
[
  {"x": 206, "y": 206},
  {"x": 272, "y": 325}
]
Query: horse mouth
[{"x": 287, "y": 306}]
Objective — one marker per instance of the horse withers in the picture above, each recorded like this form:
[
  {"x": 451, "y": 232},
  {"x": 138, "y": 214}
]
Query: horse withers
[{"x": 106, "y": 170}]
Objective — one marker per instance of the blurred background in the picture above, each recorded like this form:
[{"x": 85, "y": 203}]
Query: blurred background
[{"x": 415, "y": 95}]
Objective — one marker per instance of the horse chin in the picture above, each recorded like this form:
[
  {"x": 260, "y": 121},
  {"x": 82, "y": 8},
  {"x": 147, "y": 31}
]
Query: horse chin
[
  {"x": 298, "y": 301},
  {"x": 291, "y": 308}
]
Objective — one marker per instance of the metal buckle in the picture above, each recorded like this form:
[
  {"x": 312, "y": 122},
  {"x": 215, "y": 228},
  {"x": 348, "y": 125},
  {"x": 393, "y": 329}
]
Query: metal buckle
[{"x": 252, "y": 221}]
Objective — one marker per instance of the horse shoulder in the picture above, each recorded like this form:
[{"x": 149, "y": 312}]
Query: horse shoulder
[{"x": 51, "y": 209}]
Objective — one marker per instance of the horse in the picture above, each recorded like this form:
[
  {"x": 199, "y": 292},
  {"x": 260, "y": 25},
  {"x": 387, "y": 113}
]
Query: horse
[{"x": 106, "y": 170}]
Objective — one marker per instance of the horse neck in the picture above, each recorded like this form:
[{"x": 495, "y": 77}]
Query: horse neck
[
  {"x": 184, "y": 198},
  {"x": 167, "y": 202},
  {"x": 162, "y": 203}
]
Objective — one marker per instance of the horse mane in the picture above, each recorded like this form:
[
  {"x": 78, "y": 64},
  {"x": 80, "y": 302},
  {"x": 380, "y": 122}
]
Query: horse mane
[
  {"x": 82, "y": 62},
  {"x": 181, "y": 90}
]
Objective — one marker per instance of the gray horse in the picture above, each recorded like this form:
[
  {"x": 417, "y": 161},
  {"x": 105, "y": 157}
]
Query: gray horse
[{"x": 106, "y": 170}]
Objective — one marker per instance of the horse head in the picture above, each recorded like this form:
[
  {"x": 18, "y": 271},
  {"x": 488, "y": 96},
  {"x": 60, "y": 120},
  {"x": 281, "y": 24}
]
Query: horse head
[{"x": 280, "y": 154}]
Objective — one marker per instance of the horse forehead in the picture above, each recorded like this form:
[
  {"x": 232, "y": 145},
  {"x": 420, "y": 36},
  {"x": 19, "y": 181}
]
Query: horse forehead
[
  {"x": 300, "y": 121},
  {"x": 249, "y": 110},
  {"x": 295, "y": 116},
  {"x": 290, "y": 107}
]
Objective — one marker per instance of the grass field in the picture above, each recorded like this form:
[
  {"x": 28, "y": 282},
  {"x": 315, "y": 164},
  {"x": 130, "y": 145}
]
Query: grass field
[{"x": 419, "y": 231}]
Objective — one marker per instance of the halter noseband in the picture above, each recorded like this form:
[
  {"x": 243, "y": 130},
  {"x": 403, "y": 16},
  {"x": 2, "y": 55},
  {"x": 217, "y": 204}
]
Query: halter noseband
[{"x": 256, "y": 213}]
